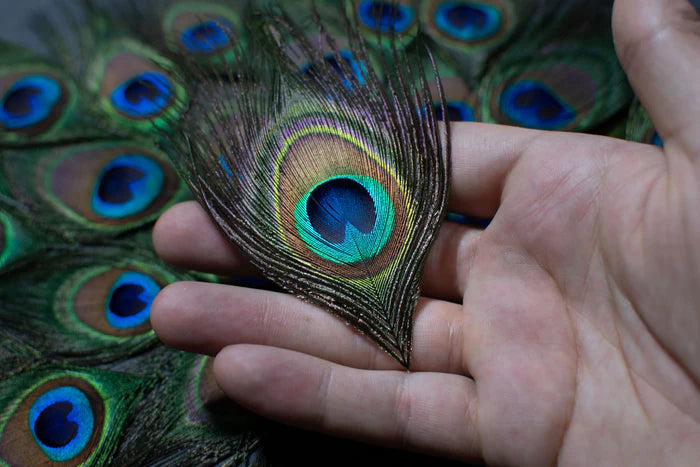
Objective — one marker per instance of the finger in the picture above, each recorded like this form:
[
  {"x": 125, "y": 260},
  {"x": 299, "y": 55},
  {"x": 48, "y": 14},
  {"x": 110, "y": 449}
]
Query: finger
[
  {"x": 428, "y": 412},
  {"x": 482, "y": 156},
  {"x": 187, "y": 237},
  {"x": 658, "y": 42},
  {"x": 204, "y": 318}
]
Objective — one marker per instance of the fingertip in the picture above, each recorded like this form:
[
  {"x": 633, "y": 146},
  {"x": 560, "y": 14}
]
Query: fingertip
[
  {"x": 169, "y": 317},
  {"x": 186, "y": 236},
  {"x": 172, "y": 230}
]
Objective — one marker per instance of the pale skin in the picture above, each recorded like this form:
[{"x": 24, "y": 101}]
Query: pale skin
[{"x": 567, "y": 332}]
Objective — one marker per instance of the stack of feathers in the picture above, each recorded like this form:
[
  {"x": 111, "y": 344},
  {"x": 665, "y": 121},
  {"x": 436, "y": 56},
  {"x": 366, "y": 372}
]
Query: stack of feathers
[{"x": 314, "y": 142}]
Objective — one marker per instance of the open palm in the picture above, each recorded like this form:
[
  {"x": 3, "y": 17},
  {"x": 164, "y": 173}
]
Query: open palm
[{"x": 568, "y": 330}]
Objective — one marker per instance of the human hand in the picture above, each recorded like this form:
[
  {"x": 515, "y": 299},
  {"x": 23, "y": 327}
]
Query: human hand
[{"x": 567, "y": 331}]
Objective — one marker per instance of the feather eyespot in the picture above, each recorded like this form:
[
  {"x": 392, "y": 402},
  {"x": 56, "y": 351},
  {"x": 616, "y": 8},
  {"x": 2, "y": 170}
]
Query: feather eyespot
[
  {"x": 62, "y": 422},
  {"x": 207, "y": 37},
  {"x": 345, "y": 219},
  {"x": 130, "y": 299},
  {"x": 127, "y": 185},
  {"x": 533, "y": 105},
  {"x": 468, "y": 21},
  {"x": 143, "y": 95},
  {"x": 136, "y": 86},
  {"x": 29, "y": 101},
  {"x": 111, "y": 301},
  {"x": 64, "y": 415},
  {"x": 204, "y": 30},
  {"x": 386, "y": 16},
  {"x": 109, "y": 186},
  {"x": 59, "y": 421}
]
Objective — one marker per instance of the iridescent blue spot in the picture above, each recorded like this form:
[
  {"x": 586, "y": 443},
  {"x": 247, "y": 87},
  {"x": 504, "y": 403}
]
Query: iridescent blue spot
[
  {"x": 656, "y": 140},
  {"x": 358, "y": 69},
  {"x": 61, "y": 421},
  {"x": 144, "y": 95},
  {"x": 130, "y": 299},
  {"x": 456, "y": 111},
  {"x": 468, "y": 21},
  {"x": 386, "y": 16},
  {"x": 338, "y": 202},
  {"x": 208, "y": 36},
  {"x": 29, "y": 101},
  {"x": 126, "y": 186},
  {"x": 533, "y": 105},
  {"x": 345, "y": 219},
  {"x": 225, "y": 166}
]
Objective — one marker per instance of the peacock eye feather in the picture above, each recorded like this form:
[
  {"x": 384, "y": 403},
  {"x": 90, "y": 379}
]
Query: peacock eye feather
[
  {"x": 203, "y": 30},
  {"x": 38, "y": 101},
  {"x": 109, "y": 301},
  {"x": 89, "y": 307},
  {"x": 95, "y": 189},
  {"x": 566, "y": 86},
  {"x": 67, "y": 416},
  {"x": 136, "y": 86},
  {"x": 533, "y": 105},
  {"x": 383, "y": 20},
  {"x": 30, "y": 101},
  {"x": 334, "y": 191},
  {"x": 468, "y": 21}
]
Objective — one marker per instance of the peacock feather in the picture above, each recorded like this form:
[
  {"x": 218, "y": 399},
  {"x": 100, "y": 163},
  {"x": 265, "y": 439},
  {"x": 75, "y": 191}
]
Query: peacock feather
[
  {"x": 39, "y": 101},
  {"x": 86, "y": 305},
  {"x": 558, "y": 81},
  {"x": 335, "y": 192},
  {"x": 387, "y": 24},
  {"x": 92, "y": 189},
  {"x": 204, "y": 30},
  {"x": 468, "y": 32},
  {"x": 66, "y": 415}
]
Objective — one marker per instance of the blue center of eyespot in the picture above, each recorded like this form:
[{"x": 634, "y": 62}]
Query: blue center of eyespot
[
  {"x": 127, "y": 186},
  {"x": 456, "y": 111},
  {"x": 29, "y": 101},
  {"x": 386, "y": 16},
  {"x": 207, "y": 36},
  {"x": 143, "y": 95},
  {"x": 61, "y": 421},
  {"x": 338, "y": 202},
  {"x": 468, "y": 22},
  {"x": 656, "y": 140},
  {"x": 533, "y": 105},
  {"x": 130, "y": 299},
  {"x": 345, "y": 219}
]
